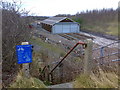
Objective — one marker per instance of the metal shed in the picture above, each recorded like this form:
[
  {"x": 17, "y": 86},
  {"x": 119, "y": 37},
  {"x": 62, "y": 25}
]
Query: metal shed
[{"x": 60, "y": 25}]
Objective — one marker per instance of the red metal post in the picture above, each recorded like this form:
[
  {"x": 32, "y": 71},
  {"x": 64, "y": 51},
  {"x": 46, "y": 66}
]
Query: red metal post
[{"x": 82, "y": 43}]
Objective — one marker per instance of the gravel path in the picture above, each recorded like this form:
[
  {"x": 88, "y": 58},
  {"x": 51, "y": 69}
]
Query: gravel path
[{"x": 101, "y": 41}]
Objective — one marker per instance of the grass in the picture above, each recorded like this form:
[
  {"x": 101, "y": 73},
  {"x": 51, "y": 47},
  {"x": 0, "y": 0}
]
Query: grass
[
  {"x": 83, "y": 81},
  {"x": 50, "y": 47},
  {"x": 46, "y": 54},
  {"x": 110, "y": 28},
  {"x": 23, "y": 82},
  {"x": 103, "y": 80},
  {"x": 36, "y": 65},
  {"x": 113, "y": 29}
]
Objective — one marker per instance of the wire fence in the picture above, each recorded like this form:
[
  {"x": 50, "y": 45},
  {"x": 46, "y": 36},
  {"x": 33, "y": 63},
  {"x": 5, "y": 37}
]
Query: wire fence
[
  {"x": 107, "y": 51},
  {"x": 106, "y": 57}
]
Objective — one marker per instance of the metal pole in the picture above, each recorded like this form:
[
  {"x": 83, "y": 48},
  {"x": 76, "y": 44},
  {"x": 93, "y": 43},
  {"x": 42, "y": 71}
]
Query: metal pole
[
  {"x": 82, "y": 43},
  {"x": 25, "y": 66},
  {"x": 101, "y": 55}
]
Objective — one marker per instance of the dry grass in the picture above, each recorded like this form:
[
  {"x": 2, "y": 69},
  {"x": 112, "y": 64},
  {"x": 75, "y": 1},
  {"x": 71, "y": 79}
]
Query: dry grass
[
  {"x": 101, "y": 80},
  {"x": 23, "y": 82},
  {"x": 113, "y": 29},
  {"x": 36, "y": 65},
  {"x": 110, "y": 28},
  {"x": 50, "y": 47}
]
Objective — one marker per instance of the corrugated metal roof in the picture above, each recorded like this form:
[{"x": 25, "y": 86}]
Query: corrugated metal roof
[{"x": 54, "y": 20}]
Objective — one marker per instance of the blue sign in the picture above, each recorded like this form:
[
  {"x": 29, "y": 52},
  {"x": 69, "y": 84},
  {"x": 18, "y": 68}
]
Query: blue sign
[{"x": 24, "y": 53}]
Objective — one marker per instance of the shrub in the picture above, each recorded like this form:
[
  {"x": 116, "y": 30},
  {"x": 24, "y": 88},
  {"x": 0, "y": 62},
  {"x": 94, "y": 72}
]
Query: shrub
[{"x": 14, "y": 31}]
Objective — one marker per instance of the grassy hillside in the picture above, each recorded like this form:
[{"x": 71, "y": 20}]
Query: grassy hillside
[
  {"x": 23, "y": 82},
  {"x": 49, "y": 47},
  {"x": 45, "y": 52},
  {"x": 102, "y": 21},
  {"x": 101, "y": 80},
  {"x": 110, "y": 28}
]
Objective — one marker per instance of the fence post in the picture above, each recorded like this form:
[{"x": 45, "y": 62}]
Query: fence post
[
  {"x": 88, "y": 61},
  {"x": 25, "y": 66},
  {"x": 51, "y": 77},
  {"x": 101, "y": 55}
]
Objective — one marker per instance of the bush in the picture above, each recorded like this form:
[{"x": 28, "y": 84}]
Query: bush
[{"x": 14, "y": 31}]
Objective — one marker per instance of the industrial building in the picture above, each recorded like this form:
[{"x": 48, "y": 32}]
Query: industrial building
[{"x": 57, "y": 25}]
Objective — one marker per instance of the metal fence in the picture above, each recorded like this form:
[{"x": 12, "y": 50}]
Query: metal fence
[{"x": 105, "y": 56}]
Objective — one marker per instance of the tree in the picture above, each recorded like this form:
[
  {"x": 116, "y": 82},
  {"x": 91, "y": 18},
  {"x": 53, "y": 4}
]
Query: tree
[{"x": 14, "y": 31}]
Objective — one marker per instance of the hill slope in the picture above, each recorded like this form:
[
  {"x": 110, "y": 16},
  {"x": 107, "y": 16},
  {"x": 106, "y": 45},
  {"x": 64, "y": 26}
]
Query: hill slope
[{"x": 103, "y": 21}]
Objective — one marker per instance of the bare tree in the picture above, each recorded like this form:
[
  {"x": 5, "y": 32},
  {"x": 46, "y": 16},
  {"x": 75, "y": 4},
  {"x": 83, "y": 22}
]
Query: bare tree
[{"x": 14, "y": 30}]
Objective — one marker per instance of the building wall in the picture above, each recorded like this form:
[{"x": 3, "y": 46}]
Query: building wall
[{"x": 66, "y": 27}]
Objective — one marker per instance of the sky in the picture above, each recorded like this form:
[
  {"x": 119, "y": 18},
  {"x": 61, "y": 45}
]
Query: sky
[{"x": 54, "y": 7}]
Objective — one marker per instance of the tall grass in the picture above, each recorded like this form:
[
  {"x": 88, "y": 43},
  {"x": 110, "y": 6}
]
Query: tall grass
[
  {"x": 23, "y": 82},
  {"x": 99, "y": 80},
  {"x": 103, "y": 21}
]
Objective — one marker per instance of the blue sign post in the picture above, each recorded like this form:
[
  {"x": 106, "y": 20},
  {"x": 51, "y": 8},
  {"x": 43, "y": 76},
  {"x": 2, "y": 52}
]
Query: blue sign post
[{"x": 24, "y": 53}]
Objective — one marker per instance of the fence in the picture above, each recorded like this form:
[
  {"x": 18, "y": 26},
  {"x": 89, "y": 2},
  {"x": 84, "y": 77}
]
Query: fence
[
  {"x": 48, "y": 73},
  {"x": 106, "y": 51},
  {"x": 105, "y": 56}
]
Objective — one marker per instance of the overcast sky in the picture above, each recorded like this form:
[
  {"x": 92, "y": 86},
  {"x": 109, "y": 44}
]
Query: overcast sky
[{"x": 54, "y": 7}]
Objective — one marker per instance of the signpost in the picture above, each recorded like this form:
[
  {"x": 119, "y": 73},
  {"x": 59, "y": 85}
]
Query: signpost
[
  {"x": 24, "y": 56},
  {"x": 24, "y": 53}
]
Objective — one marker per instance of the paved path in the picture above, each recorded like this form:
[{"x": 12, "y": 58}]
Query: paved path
[{"x": 64, "y": 85}]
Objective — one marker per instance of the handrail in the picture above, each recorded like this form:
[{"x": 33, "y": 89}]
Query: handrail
[{"x": 82, "y": 43}]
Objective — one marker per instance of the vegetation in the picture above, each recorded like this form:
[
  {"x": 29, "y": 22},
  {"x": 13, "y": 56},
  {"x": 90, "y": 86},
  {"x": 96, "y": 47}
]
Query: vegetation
[
  {"x": 36, "y": 65},
  {"x": 44, "y": 56},
  {"x": 49, "y": 53},
  {"x": 103, "y": 21},
  {"x": 23, "y": 82},
  {"x": 99, "y": 80},
  {"x": 95, "y": 80},
  {"x": 48, "y": 46},
  {"x": 38, "y": 17},
  {"x": 14, "y": 31}
]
